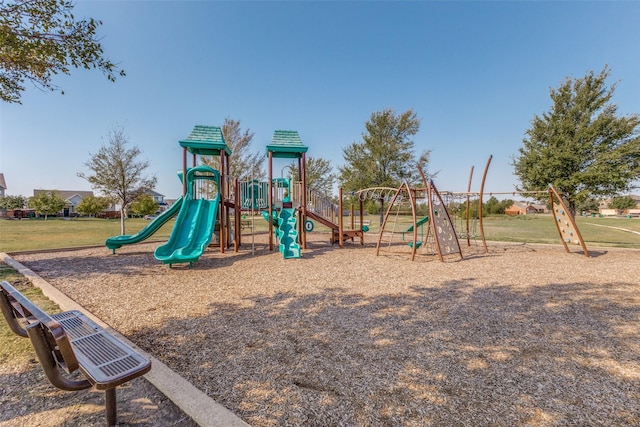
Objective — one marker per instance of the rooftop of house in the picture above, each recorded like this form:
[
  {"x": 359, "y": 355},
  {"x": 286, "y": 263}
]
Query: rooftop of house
[{"x": 65, "y": 194}]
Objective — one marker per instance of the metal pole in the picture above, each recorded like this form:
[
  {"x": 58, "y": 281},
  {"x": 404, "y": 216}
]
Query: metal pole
[
  {"x": 468, "y": 190},
  {"x": 484, "y": 177},
  {"x": 110, "y": 404}
]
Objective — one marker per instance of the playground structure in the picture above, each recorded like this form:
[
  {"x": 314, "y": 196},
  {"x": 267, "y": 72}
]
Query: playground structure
[
  {"x": 202, "y": 203},
  {"x": 210, "y": 197},
  {"x": 294, "y": 205},
  {"x": 442, "y": 234}
]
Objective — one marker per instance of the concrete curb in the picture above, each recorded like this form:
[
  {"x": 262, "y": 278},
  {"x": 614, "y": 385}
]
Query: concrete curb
[{"x": 205, "y": 411}]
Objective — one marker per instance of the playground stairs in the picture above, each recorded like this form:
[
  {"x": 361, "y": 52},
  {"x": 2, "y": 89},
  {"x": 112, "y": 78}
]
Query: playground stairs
[{"x": 288, "y": 234}]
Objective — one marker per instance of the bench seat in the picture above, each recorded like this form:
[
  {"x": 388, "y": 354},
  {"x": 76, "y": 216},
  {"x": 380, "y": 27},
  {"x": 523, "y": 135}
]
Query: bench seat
[
  {"x": 105, "y": 360},
  {"x": 70, "y": 341}
]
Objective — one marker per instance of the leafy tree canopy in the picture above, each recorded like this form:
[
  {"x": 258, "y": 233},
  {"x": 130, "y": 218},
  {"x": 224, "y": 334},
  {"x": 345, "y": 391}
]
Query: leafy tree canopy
[
  {"x": 623, "y": 202},
  {"x": 385, "y": 156},
  {"x": 145, "y": 204},
  {"x": 92, "y": 205},
  {"x": 117, "y": 173},
  {"x": 42, "y": 38},
  {"x": 493, "y": 206},
  {"x": 12, "y": 202},
  {"x": 581, "y": 145},
  {"x": 47, "y": 203},
  {"x": 320, "y": 177},
  {"x": 589, "y": 204}
]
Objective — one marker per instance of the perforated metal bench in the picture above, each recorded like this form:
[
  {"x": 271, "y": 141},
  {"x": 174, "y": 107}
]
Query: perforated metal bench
[{"x": 70, "y": 341}]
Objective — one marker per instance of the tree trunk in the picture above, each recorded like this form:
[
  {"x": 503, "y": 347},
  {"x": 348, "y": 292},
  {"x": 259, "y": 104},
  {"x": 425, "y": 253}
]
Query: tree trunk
[{"x": 122, "y": 211}]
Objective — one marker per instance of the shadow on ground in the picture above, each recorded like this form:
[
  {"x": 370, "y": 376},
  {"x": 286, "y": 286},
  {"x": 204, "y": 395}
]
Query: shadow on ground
[{"x": 454, "y": 354}]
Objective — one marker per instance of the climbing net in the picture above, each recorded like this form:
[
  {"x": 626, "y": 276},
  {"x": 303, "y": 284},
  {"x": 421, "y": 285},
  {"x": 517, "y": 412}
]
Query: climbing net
[{"x": 463, "y": 209}]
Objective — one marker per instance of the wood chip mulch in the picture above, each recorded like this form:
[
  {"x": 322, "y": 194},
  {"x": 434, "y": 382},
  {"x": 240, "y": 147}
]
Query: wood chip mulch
[{"x": 523, "y": 335}]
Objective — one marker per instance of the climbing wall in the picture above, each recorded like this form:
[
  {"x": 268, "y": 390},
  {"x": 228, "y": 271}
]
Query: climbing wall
[
  {"x": 565, "y": 222},
  {"x": 445, "y": 235}
]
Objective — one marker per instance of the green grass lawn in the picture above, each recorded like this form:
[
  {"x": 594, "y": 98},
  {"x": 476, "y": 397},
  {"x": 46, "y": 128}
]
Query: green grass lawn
[
  {"x": 55, "y": 233},
  {"x": 542, "y": 229},
  {"x": 36, "y": 234},
  {"x": 13, "y": 347}
]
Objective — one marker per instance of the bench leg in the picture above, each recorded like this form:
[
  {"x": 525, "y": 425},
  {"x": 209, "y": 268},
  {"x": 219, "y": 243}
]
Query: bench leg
[
  {"x": 111, "y": 406},
  {"x": 49, "y": 363}
]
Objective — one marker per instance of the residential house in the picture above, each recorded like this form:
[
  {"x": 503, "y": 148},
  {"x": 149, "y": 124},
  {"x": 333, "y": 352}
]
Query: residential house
[
  {"x": 159, "y": 198},
  {"x": 114, "y": 209},
  {"x": 72, "y": 199},
  {"x": 635, "y": 211},
  {"x": 604, "y": 210},
  {"x": 525, "y": 208}
]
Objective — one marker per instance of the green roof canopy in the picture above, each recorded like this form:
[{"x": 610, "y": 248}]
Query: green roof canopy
[
  {"x": 286, "y": 144},
  {"x": 205, "y": 141}
]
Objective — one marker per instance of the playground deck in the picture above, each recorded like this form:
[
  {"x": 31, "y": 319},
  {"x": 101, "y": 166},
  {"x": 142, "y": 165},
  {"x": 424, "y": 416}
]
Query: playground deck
[{"x": 523, "y": 335}]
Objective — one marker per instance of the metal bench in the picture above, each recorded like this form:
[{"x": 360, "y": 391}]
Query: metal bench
[{"x": 70, "y": 341}]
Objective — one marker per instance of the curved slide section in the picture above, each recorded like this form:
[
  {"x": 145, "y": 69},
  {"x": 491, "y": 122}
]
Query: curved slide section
[
  {"x": 116, "y": 242},
  {"x": 288, "y": 234},
  {"x": 191, "y": 233}
]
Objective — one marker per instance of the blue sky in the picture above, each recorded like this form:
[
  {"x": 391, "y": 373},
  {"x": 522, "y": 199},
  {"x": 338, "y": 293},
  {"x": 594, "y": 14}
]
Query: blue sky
[{"x": 475, "y": 73}]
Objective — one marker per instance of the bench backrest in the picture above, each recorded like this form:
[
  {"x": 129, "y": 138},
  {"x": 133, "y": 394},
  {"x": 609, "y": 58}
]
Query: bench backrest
[{"x": 18, "y": 310}]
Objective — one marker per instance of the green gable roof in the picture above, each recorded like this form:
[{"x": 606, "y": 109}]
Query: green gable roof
[
  {"x": 205, "y": 141},
  {"x": 286, "y": 144}
]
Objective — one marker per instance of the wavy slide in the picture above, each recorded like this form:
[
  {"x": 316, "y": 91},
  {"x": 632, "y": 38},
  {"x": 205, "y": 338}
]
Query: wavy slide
[
  {"x": 191, "y": 233},
  {"x": 116, "y": 242},
  {"x": 288, "y": 234}
]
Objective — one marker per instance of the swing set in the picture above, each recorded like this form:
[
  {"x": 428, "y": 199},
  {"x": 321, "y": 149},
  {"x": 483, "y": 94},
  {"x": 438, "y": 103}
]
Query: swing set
[
  {"x": 440, "y": 236},
  {"x": 437, "y": 234}
]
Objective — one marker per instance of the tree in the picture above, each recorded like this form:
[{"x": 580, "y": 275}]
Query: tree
[
  {"x": 581, "y": 146},
  {"x": 117, "y": 172},
  {"x": 12, "y": 202},
  {"x": 588, "y": 205},
  {"x": 320, "y": 177},
  {"x": 385, "y": 156},
  {"x": 623, "y": 202},
  {"x": 493, "y": 206},
  {"x": 42, "y": 38},
  {"x": 47, "y": 203},
  {"x": 145, "y": 204},
  {"x": 92, "y": 205},
  {"x": 242, "y": 164}
]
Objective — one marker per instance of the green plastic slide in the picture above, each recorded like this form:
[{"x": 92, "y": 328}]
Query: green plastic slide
[
  {"x": 418, "y": 224},
  {"x": 116, "y": 242},
  {"x": 191, "y": 233},
  {"x": 194, "y": 227},
  {"x": 288, "y": 234}
]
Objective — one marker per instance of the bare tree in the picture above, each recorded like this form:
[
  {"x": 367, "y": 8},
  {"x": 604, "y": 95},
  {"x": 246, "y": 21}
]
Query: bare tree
[
  {"x": 117, "y": 173},
  {"x": 243, "y": 164}
]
